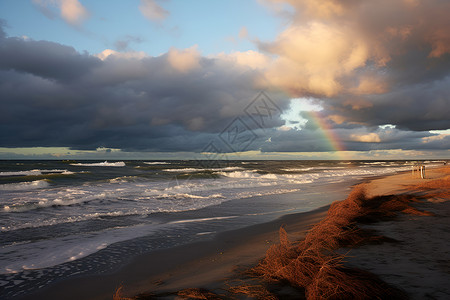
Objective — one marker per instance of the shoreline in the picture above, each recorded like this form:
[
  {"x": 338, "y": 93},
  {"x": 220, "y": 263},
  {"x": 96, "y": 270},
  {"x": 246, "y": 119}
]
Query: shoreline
[
  {"x": 206, "y": 264},
  {"x": 175, "y": 268}
]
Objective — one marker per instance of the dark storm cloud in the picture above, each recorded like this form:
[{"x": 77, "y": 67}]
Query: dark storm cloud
[
  {"x": 52, "y": 95},
  {"x": 44, "y": 59},
  {"x": 417, "y": 107}
]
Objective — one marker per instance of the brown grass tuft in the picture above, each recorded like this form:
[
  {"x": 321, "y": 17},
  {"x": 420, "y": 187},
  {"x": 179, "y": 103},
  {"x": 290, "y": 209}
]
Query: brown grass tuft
[
  {"x": 253, "y": 291},
  {"x": 118, "y": 294},
  {"x": 198, "y": 293},
  {"x": 344, "y": 283}
]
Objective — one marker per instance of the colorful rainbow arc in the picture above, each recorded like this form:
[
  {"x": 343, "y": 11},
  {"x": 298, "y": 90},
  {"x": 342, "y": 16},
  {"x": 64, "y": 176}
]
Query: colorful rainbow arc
[{"x": 328, "y": 134}]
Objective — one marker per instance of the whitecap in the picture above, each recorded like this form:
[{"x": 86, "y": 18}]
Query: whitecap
[
  {"x": 24, "y": 186},
  {"x": 101, "y": 164}
]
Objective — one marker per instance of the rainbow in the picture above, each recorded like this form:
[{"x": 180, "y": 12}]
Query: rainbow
[{"x": 328, "y": 134}]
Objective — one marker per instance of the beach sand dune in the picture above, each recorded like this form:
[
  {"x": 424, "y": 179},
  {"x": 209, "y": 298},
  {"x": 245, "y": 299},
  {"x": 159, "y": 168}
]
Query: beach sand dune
[{"x": 419, "y": 262}]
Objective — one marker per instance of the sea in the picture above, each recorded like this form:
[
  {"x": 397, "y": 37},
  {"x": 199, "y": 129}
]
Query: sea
[{"x": 63, "y": 219}]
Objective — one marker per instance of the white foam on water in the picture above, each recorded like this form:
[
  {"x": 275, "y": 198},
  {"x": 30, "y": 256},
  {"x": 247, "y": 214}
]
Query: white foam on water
[
  {"x": 298, "y": 169},
  {"x": 375, "y": 163},
  {"x": 192, "y": 170},
  {"x": 19, "y": 257},
  {"x": 188, "y": 170},
  {"x": 67, "y": 219},
  {"x": 25, "y": 186},
  {"x": 123, "y": 179},
  {"x": 312, "y": 168},
  {"x": 31, "y": 204},
  {"x": 157, "y": 163},
  {"x": 240, "y": 174},
  {"x": 254, "y": 179},
  {"x": 21, "y": 173},
  {"x": 203, "y": 219},
  {"x": 36, "y": 172},
  {"x": 101, "y": 164},
  {"x": 188, "y": 196},
  {"x": 205, "y": 233}
]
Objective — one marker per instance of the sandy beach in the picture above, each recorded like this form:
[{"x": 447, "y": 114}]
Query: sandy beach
[{"x": 416, "y": 263}]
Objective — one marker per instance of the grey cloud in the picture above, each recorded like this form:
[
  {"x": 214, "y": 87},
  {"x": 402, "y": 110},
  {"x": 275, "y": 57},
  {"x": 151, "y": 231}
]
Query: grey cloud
[
  {"x": 53, "y": 96},
  {"x": 45, "y": 59},
  {"x": 314, "y": 140},
  {"x": 417, "y": 107},
  {"x": 123, "y": 44}
]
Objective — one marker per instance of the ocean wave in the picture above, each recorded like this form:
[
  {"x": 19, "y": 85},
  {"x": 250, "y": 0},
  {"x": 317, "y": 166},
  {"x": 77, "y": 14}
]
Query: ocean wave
[
  {"x": 188, "y": 170},
  {"x": 101, "y": 164},
  {"x": 124, "y": 179},
  {"x": 188, "y": 196},
  {"x": 43, "y": 203},
  {"x": 253, "y": 174},
  {"x": 192, "y": 170},
  {"x": 69, "y": 219},
  {"x": 240, "y": 174},
  {"x": 156, "y": 163},
  {"x": 202, "y": 220},
  {"x": 311, "y": 168},
  {"x": 298, "y": 169},
  {"x": 36, "y": 172},
  {"x": 25, "y": 186}
]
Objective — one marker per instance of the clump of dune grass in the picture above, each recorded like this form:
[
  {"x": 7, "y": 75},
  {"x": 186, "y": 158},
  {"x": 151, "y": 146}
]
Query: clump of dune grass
[
  {"x": 345, "y": 283},
  {"x": 198, "y": 293},
  {"x": 252, "y": 291}
]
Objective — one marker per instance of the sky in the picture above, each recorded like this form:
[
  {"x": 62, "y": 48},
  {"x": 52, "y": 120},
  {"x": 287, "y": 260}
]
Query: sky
[{"x": 202, "y": 79}]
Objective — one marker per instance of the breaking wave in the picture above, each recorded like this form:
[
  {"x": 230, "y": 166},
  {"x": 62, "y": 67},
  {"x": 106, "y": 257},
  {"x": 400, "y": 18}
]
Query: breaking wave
[
  {"x": 24, "y": 186},
  {"x": 101, "y": 164}
]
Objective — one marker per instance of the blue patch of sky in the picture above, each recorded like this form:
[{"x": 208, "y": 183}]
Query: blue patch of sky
[{"x": 212, "y": 25}]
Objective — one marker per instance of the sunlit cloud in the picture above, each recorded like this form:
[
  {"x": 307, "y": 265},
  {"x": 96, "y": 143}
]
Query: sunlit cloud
[
  {"x": 126, "y": 55},
  {"x": 366, "y": 138},
  {"x": 72, "y": 11},
  {"x": 184, "y": 60}
]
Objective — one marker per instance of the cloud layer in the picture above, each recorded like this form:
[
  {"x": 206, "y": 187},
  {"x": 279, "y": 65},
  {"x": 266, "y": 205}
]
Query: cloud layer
[
  {"x": 52, "y": 95},
  {"x": 365, "y": 63}
]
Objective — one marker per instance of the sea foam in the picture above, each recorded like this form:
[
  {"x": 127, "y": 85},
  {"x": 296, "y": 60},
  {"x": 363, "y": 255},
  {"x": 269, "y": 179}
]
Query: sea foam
[
  {"x": 101, "y": 164},
  {"x": 24, "y": 186}
]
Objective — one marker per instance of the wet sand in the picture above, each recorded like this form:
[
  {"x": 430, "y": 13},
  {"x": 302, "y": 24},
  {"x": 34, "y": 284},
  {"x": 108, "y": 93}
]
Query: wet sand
[{"x": 204, "y": 264}]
